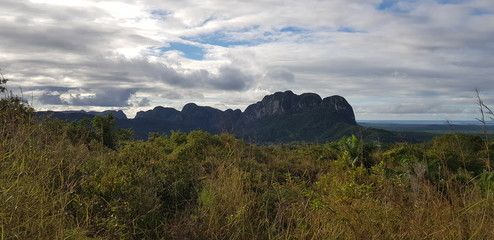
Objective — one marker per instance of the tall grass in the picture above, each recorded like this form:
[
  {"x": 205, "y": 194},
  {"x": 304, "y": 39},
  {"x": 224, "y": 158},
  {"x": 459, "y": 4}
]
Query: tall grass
[
  {"x": 55, "y": 184},
  {"x": 38, "y": 178}
]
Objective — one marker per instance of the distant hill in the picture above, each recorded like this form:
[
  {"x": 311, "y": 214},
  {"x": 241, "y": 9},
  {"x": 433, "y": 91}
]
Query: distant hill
[
  {"x": 78, "y": 115},
  {"x": 279, "y": 117}
]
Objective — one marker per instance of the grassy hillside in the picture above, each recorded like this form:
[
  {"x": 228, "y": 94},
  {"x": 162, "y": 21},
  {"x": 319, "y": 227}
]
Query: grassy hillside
[{"x": 86, "y": 180}]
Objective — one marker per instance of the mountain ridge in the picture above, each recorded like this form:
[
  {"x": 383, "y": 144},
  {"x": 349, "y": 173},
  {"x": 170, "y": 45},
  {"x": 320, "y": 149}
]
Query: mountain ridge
[
  {"x": 274, "y": 104},
  {"x": 277, "y": 118}
]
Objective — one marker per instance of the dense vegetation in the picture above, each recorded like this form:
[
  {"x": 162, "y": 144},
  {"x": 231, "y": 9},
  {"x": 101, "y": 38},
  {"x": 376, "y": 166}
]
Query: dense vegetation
[{"x": 87, "y": 180}]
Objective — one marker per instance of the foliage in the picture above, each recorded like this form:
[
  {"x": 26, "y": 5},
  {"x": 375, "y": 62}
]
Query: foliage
[
  {"x": 456, "y": 151},
  {"x": 88, "y": 180},
  {"x": 104, "y": 129},
  {"x": 13, "y": 109}
]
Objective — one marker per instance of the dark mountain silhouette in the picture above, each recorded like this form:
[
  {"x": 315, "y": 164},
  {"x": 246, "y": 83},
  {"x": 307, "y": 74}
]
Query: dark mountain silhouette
[
  {"x": 285, "y": 116},
  {"x": 78, "y": 115},
  {"x": 280, "y": 117}
]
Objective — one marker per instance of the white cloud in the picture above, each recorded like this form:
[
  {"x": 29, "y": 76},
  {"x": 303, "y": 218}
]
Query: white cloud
[{"x": 398, "y": 61}]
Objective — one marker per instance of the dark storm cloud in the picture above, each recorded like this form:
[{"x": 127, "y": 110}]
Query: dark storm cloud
[
  {"x": 25, "y": 11},
  {"x": 63, "y": 29},
  {"x": 227, "y": 78},
  {"x": 230, "y": 78},
  {"x": 105, "y": 98}
]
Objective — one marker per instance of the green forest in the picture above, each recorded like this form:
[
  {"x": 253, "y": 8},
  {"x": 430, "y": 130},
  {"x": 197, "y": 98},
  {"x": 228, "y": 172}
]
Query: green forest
[{"x": 88, "y": 180}]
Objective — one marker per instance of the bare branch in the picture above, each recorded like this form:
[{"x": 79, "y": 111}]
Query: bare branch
[{"x": 3, "y": 81}]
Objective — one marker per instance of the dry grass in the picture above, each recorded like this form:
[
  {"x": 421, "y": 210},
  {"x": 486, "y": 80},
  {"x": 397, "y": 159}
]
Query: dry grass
[{"x": 200, "y": 186}]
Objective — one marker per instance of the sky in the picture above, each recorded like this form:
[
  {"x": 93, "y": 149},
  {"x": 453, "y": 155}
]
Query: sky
[{"x": 391, "y": 59}]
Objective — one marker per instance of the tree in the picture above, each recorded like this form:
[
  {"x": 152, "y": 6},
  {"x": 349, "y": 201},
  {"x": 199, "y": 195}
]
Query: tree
[
  {"x": 105, "y": 129},
  {"x": 13, "y": 109}
]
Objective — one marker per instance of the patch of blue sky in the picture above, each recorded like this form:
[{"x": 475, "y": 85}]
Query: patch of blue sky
[
  {"x": 387, "y": 4},
  {"x": 219, "y": 39},
  {"x": 450, "y": 1},
  {"x": 250, "y": 36},
  {"x": 188, "y": 51},
  {"x": 292, "y": 29},
  {"x": 268, "y": 34},
  {"x": 479, "y": 12},
  {"x": 393, "y": 6},
  {"x": 225, "y": 39}
]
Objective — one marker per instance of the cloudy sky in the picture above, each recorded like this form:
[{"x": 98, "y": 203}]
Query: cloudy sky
[{"x": 391, "y": 59}]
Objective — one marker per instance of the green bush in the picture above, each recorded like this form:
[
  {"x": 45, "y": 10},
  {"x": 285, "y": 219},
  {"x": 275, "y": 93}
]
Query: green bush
[{"x": 459, "y": 151}]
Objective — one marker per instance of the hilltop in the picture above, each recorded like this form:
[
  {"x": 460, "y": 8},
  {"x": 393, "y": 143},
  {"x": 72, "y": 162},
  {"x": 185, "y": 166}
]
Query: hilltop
[{"x": 279, "y": 117}]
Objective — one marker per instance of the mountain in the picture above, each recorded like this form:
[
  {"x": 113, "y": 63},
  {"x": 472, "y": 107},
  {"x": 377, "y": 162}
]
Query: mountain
[
  {"x": 160, "y": 113},
  {"x": 285, "y": 116},
  {"x": 78, "y": 115},
  {"x": 279, "y": 117},
  {"x": 282, "y": 103}
]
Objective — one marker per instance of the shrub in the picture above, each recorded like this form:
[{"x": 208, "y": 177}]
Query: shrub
[{"x": 455, "y": 151}]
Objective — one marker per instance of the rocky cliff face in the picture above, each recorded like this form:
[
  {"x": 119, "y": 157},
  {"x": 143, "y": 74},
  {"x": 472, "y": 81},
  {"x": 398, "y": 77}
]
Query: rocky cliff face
[
  {"x": 275, "y": 104},
  {"x": 341, "y": 107},
  {"x": 118, "y": 114},
  {"x": 289, "y": 103},
  {"x": 200, "y": 117},
  {"x": 159, "y": 113}
]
